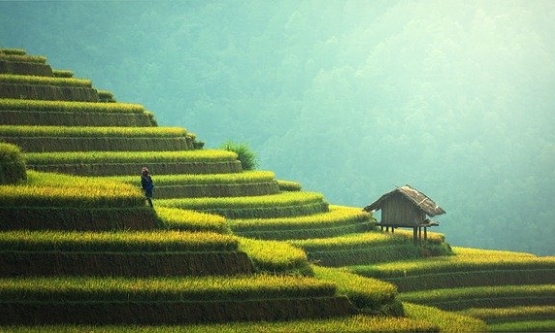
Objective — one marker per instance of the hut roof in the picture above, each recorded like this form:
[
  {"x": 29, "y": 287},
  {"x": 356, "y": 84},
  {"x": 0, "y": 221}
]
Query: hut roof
[{"x": 418, "y": 198}]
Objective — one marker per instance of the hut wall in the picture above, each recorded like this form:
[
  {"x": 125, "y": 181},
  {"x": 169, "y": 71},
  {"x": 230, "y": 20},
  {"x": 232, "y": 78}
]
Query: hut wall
[{"x": 399, "y": 211}]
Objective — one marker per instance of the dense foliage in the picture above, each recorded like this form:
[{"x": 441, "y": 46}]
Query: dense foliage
[
  {"x": 248, "y": 158},
  {"x": 350, "y": 98},
  {"x": 12, "y": 164}
]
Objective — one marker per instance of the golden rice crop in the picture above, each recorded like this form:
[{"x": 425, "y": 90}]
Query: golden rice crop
[
  {"x": 357, "y": 323},
  {"x": 353, "y": 241},
  {"x": 86, "y": 131},
  {"x": 287, "y": 185},
  {"x": 524, "y": 326},
  {"x": 282, "y": 199},
  {"x": 44, "y": 189},
  {"x": 117, "y": 241},
  {"x": 337, "y": 215},
  {"x": 482, "y": 292},
  {"x": 465, "y": 259},
  {"x": 12, "y": 51},
  {"x": 22, "y": 58},
  {"x": 45, "y": 80},
  {"x": 93, "y": 157},
  {"x": 446, "y": 321},
  {"x": 363, "y": 292},
  {"x": 62, "y": 73},
  {"x": 208, "y": 288},
  {"x": 486, "y": 254},
  {"x": 432, "y": 237},
  {"x": 180, "y": 219},
  {"x": 273, "y": 256},
  {"x": 510, "y": 313},
  {"x": 251, "y": 176},
  {"x": 68, "y": 106}
]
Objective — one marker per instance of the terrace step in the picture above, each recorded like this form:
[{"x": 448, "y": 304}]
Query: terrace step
[
  {"x": 238, "y": 184},
  {"x": 125, "y": 163},
  {"x": 212, "y": 190},
  {"x": 285, "y": 204},
  {"x": 75, "y": 218},
  {"x": 48, "y": 92},
  {"x": 492, "y": 296},
  {"x": 512, "y": 314},
  {"x": 24, "y": 68},
  {"x": 124, "y": 253},
  {"x": 337, "y": 222},
  {"x": 92, "y": 143},
  {"x": 367, "y": 248},
  {"x": 68, "y": 113},
  {"x": 129, "y": 264},
  {"x": 500, "y": 277},
  {"x": 34, "y": 301},
  {"x": 84, "y": 138},
  {"x": 56, "y": 118},
  {"x": 467, "y": 268},
  {"x": 123, "y": 169}
]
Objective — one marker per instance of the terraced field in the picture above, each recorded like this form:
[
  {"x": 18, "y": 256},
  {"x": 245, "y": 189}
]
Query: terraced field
[
  {"x": 510, "y": 291},
  {"x": 222, "y": 248}
]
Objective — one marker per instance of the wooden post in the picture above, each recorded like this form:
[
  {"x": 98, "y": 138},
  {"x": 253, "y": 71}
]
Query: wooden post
[
  {"x": 425, "y": 234},
  {"x": 414, "y": 234}
]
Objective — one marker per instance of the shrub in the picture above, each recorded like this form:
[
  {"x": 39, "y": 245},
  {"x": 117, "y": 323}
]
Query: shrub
[
  {"x": 249, "y": 160},
  {"x": 12, "y": 165},
  {"x": 106, "y": 96}
]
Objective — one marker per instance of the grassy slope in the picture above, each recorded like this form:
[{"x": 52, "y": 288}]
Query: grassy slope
[{"x": 281, "y": 257}]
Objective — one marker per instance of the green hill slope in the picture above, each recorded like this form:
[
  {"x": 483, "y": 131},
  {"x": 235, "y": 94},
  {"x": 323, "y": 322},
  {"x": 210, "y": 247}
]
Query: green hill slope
[{"x": 81, "y": 247}]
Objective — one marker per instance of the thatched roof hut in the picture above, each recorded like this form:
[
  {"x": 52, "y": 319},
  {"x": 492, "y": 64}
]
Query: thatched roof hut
[{"x": 406, "y": 207}]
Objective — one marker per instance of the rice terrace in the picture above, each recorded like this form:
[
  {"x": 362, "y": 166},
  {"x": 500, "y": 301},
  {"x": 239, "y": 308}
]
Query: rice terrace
[{"x": 226, "y": 247}]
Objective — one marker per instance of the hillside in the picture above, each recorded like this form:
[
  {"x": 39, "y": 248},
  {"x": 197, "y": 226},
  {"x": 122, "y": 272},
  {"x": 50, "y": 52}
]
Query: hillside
[
  {"x": 80, "y": 249},
  {"x": 453, "y": 97}
]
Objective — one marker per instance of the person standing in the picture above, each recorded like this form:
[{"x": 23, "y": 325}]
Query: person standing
[{"x": 147, "y": 184}]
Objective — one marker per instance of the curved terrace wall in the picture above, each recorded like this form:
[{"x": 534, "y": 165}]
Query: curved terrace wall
[
  {"x": 24, "y": 68},
  {"x": 47, "y": 92}
]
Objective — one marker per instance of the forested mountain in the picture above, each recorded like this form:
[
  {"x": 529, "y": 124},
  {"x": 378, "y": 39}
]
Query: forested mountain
[{"x": 349, "y": 98}]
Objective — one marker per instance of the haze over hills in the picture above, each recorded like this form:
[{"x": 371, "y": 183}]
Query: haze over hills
[{"x": 350, "y": 98}]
